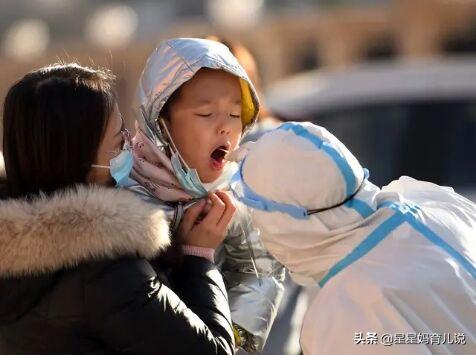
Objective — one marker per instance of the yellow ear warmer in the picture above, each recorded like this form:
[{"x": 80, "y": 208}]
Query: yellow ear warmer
[{"x": 248, "y": 110}]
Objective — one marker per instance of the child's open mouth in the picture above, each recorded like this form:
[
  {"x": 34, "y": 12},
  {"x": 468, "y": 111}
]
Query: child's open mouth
[{"x": 218, "y": 157}]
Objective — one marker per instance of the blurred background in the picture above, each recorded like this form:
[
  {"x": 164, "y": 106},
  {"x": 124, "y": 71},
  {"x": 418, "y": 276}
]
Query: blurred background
[{"x": 395, "y": 80}]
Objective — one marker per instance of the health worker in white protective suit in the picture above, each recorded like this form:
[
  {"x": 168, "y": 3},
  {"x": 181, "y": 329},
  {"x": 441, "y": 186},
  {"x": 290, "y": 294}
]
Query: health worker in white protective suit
[{"x": 396, "y": 266}]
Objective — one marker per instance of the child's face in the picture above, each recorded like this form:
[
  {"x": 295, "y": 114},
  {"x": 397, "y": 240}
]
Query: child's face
[{"x": 205, "y": 121}]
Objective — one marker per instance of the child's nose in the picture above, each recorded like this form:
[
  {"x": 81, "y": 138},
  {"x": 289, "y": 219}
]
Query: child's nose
[
  {"x": 225, "y": 130},
  {"x": 225, "y": 126}
]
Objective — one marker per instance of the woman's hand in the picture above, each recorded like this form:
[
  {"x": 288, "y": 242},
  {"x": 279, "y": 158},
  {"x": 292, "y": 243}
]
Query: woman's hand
[{"x": 209, "y": 232}]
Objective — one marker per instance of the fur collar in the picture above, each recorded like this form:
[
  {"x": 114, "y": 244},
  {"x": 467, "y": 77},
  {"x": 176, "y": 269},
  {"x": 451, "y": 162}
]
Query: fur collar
[{"x": 75, "y": 226}]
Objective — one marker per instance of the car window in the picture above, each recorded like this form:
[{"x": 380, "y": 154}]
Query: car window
[{"x": 434, "y": 140}]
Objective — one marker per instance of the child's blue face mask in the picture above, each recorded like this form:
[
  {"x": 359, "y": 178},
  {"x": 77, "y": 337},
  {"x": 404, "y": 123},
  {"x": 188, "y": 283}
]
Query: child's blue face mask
[{"x": 188, "y": 177}]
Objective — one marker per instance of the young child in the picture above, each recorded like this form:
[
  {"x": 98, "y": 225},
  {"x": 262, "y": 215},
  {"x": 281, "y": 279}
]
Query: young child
[
  {"x": 394, "y": 265},
  {"x": 194, "y": 102}
]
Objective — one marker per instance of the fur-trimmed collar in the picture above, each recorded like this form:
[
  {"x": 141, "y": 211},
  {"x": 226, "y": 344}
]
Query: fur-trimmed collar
[{"x": 75, "y": 226}]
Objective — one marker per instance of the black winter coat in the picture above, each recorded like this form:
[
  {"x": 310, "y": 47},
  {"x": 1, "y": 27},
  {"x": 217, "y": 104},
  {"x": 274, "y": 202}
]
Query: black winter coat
[{"x": 77, "y": 277}]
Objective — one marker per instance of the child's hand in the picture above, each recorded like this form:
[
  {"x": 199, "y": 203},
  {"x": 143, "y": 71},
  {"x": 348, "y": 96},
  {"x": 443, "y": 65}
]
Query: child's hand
[{"x": 210, "y": 231}]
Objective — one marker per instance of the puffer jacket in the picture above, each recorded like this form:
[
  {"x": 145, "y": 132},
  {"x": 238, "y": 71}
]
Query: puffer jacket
[
  {"x": 78, "y": 275},
  {"x": 254, "y": 279}
]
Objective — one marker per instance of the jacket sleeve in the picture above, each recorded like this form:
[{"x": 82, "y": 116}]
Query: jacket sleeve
[
  {"x": 253, "y": 302},
  {"x": 132, "y": 311}
]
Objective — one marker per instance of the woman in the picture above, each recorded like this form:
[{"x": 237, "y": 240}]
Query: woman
[{"x": 78, "y": 259}]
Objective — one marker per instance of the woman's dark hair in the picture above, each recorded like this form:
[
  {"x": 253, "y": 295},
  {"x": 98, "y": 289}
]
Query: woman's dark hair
[{"x": 53, "y": 121}]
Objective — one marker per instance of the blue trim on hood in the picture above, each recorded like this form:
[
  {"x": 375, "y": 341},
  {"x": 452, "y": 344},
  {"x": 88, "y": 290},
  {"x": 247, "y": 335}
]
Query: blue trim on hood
[
  {"x": 334, "y": 154},
  {"x": 359, "y": 206},
  {"x": 254, "y": 200}
]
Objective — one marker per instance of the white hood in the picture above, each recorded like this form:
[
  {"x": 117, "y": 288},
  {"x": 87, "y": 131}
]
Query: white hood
[{"x": 306, "y": 167}]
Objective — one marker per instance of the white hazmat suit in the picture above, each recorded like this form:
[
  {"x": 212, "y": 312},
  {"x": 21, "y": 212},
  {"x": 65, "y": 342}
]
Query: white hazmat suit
[{"x": 396, "y": 266}]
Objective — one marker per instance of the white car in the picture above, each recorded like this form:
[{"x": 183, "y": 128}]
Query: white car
[{"x": 398, "y": 118}]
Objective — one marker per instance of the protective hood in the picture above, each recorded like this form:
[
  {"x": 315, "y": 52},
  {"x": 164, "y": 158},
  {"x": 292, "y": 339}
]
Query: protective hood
[
  {"x": 319, "y": 214},
  {"x": 317, "y": 173},
  {"x": 175, "y": 62},
  {"x": 311, "y": 206}
]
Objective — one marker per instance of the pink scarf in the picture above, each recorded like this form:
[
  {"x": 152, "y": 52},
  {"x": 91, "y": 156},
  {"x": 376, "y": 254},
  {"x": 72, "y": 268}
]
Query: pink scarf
[{"x": 153, "y": 170}]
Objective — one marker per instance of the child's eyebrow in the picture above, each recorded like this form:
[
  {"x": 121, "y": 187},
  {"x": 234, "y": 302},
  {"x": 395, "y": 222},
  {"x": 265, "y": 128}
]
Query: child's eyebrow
[{"x": 206, "y": 101}]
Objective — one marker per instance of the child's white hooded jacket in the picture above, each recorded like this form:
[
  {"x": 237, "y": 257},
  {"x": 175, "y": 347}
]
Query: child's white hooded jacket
[{"x": 394, "y": 265}]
